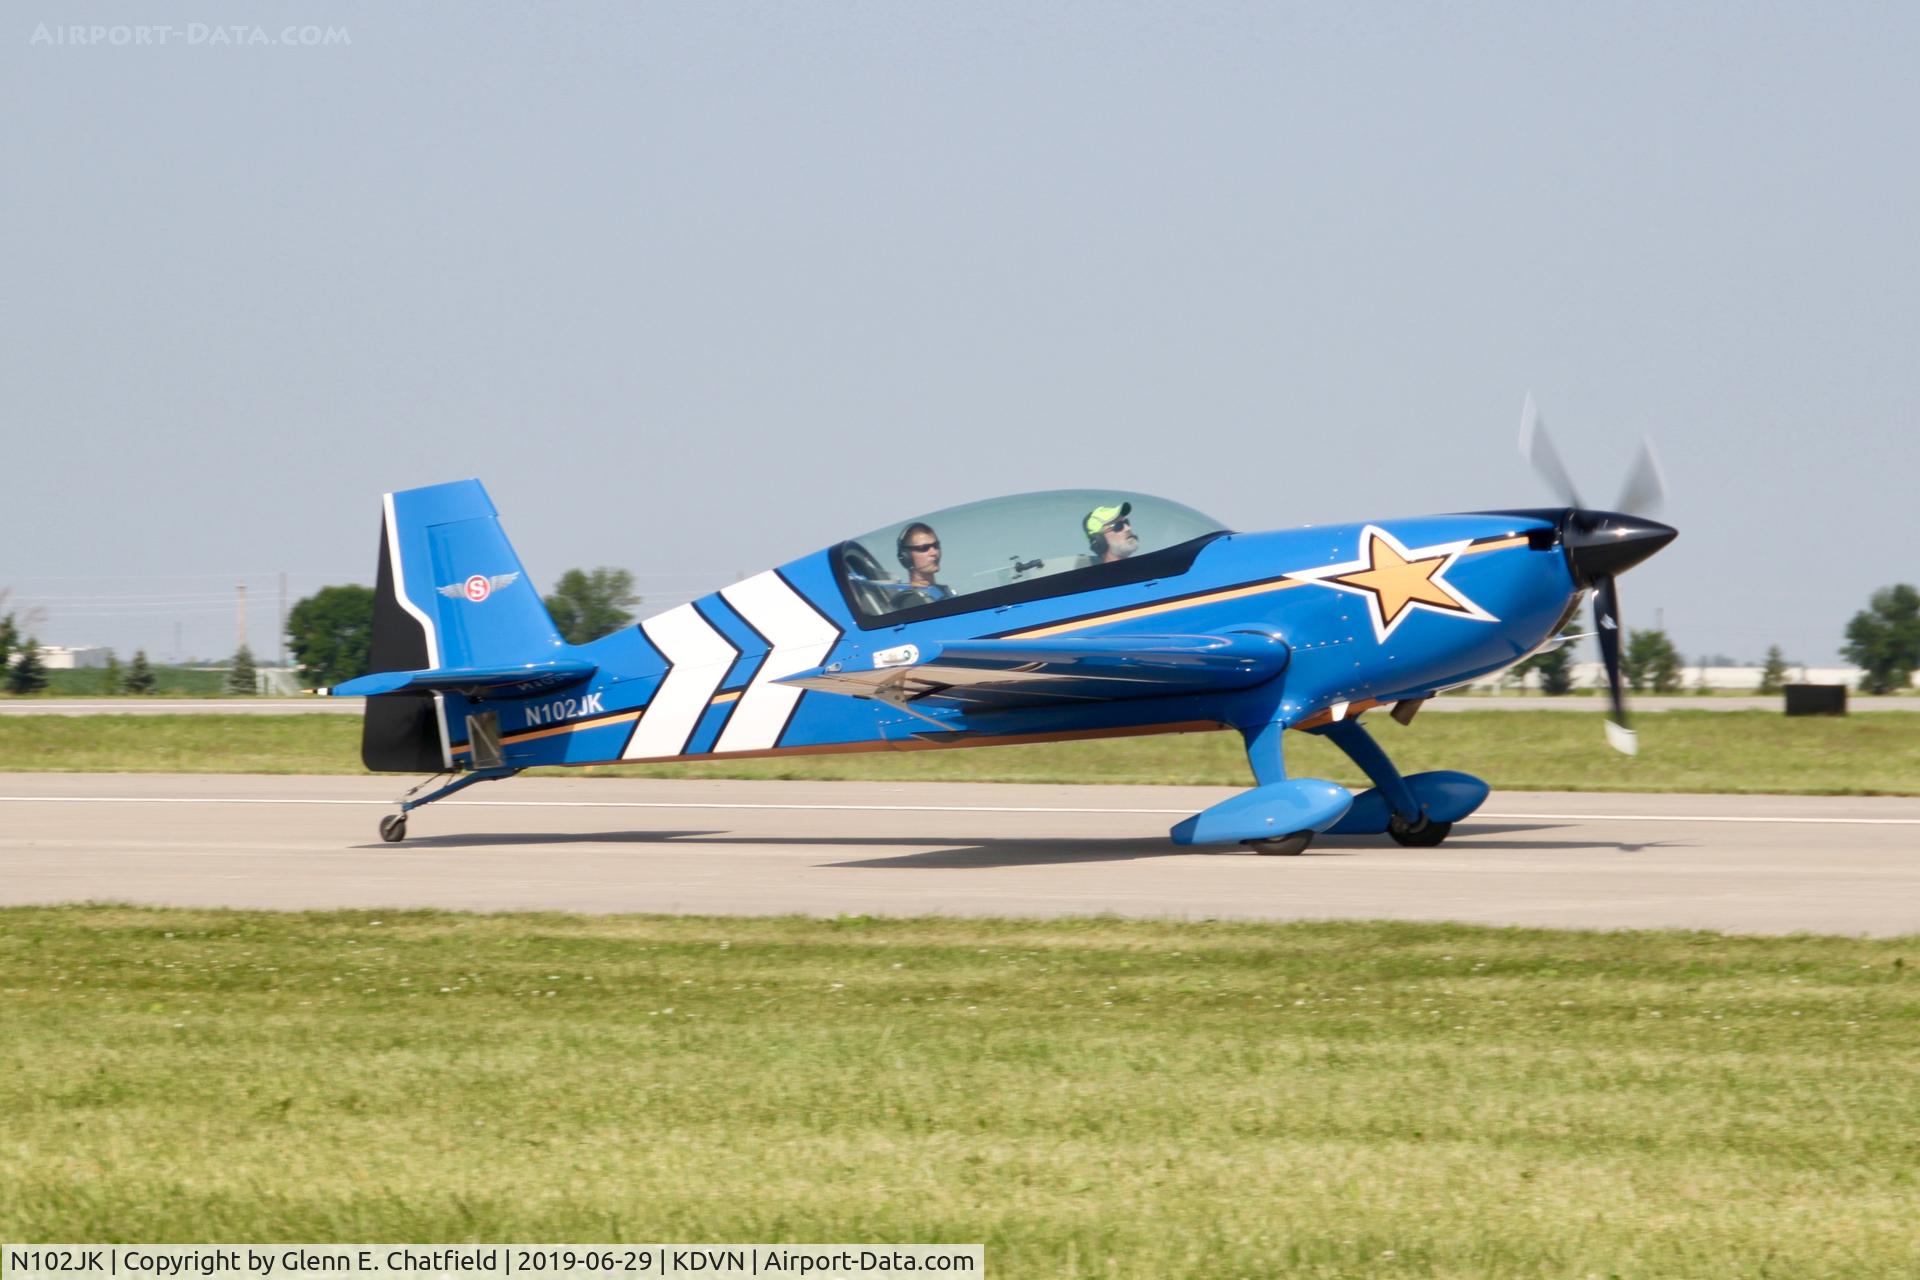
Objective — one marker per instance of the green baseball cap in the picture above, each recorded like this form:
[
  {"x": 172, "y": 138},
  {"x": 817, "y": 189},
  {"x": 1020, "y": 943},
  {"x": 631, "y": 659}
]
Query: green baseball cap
[{"x": 1100, "y": 517}]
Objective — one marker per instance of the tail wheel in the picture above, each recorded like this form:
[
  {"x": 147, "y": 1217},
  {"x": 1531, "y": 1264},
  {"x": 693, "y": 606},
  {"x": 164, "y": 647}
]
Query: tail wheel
[
  {"x": 393, "y": 828},
  {"x": 1423, "y": 834}
]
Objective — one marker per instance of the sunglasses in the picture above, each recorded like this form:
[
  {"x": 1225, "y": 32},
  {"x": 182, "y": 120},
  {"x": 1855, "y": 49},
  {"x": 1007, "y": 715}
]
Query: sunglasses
[
  {"x": 1115, "y": 526},
  {"x": 923, "y": 547}
]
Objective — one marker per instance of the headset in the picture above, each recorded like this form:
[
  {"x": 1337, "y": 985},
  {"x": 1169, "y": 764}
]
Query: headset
[{"x": 1097, "y": 540}]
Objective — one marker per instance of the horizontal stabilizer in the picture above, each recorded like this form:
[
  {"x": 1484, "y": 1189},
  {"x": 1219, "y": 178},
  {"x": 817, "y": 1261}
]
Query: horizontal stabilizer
[
  {"x": 1019, "y": 673},
  {"x": 503, "y": 681}
]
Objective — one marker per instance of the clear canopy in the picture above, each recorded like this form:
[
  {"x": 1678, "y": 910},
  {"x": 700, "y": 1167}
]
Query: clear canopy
[{"x": 1062, "y": 534}]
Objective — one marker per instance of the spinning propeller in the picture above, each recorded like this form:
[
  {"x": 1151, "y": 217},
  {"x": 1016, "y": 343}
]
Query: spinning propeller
[{"x": 1603, "y": 544}]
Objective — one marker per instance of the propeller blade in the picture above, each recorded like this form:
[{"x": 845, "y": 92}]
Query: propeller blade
[
  {"x": 1538, "y": 449},
  {"x": 1606, "y": 622},
  {"x": 1645, "y": 489}
]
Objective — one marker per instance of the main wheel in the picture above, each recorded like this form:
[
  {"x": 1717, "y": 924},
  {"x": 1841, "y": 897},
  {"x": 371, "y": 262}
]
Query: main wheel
[
  {"x": 393, "y": 828},
  {"x": 1423, "y": 834},
  {"x": 1287, "y": 845}
]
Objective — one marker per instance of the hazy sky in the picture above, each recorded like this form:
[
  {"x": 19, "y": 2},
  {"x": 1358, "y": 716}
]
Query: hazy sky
[{"x": 696, "y": 288}]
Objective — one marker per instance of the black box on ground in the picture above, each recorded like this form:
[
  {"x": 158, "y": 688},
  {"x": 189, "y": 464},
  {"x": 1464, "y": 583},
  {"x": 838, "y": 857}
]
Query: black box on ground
[{"x": 1815, "y": 699}]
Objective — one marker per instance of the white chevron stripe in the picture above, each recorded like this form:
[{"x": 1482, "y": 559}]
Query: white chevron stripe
[
  {"x": 800, "y": 637},
  {"x": 697, "y": 658}
]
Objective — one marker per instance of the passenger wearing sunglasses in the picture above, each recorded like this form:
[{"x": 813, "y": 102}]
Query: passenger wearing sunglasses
[
  {"x": 1110, "y": 534},
  {"x": 918, "y": 550}
]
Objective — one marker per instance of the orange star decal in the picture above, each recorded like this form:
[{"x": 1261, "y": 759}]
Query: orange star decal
[{"x": 1397, "y": 580}]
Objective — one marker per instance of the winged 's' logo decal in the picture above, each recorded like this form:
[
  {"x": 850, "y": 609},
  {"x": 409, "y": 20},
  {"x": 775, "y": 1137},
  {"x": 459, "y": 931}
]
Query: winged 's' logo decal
[{"x": 478, "y": 587}]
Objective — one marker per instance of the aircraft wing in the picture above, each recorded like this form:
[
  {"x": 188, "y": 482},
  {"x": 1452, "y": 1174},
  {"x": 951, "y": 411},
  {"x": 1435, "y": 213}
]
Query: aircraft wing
[{"x": 991, "y": 674}]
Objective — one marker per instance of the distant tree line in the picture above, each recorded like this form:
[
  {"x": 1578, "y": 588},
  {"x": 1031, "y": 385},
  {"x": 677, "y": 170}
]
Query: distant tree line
[
  {"x": 1883, "y": 641},
  {"x": 24, "y": 673},
  {"x": 1773, "y": 676},
  {"x": 329, "y": 634}
]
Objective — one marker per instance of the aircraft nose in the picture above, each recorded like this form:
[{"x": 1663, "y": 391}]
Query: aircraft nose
[{"x": 1601, "y": 544}]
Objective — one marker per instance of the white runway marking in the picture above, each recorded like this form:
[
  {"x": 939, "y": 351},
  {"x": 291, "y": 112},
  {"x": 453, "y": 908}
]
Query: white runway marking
[
  {"x": 584, "y": 804},
  {"x": 1685, "y": 817},
  {"x": 919, "y": 808}
]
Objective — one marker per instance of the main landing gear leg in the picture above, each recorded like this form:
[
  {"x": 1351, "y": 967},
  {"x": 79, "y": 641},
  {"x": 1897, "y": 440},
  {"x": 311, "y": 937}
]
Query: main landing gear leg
[
  {"x": 393, "y": 827},
  {"x": 1278, "y": 816},
  {"x": 1409, "y": 824},
  {"x": 1266, "y": 754}
]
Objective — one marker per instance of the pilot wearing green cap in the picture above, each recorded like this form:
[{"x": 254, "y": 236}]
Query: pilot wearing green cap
[{"x": 1110, "y": 533}]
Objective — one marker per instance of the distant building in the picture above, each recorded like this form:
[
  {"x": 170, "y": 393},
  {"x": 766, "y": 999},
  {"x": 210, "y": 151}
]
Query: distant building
[
  {"x": 61, "y": 657},
  {"x": 272, "y": 681}
]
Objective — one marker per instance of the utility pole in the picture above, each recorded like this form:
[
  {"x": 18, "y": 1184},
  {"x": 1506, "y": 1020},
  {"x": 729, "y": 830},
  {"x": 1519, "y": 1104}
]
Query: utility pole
[
  {"x": 283, "y": 618},
  {"x": 240, "y": 619}
]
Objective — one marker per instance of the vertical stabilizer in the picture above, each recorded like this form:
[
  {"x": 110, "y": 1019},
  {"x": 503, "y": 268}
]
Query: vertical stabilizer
[{"x": 450, "y": 592}]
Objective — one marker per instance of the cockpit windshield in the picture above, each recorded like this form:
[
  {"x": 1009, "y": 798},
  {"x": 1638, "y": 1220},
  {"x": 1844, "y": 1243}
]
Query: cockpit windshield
[{"x": 1073, "y": 539}]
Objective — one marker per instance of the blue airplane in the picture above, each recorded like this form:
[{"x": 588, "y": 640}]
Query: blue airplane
[{"x": 1042, "y": 617}]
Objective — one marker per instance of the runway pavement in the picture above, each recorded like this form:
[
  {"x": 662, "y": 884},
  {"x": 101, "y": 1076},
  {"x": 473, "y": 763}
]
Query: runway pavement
[{"x": 1766, "y": 864}]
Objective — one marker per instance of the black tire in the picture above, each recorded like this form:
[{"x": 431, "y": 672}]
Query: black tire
[
  {"x": 1287, "y": 846},
  {"x": 1424, "y": 834},
  {"x": 393, "y": 828}
]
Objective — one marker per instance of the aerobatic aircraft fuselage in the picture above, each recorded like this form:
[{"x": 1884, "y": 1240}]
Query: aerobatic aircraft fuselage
[{"x": 1040, "y": 617}]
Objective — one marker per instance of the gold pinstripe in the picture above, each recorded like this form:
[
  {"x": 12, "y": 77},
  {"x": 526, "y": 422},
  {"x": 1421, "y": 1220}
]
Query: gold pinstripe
[{"x": 1212, "y": 597}]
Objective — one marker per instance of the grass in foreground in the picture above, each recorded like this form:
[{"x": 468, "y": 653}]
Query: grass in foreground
[
  {"x": 1873, "y": 753},
  {"x": 1091, "y": 1098}
]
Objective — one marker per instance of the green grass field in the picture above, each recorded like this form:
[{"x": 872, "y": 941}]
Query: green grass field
[
  {"x": 1089, "y": 1098},
  {"x": 1872, "y": 753}
]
